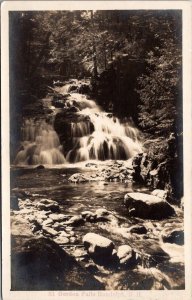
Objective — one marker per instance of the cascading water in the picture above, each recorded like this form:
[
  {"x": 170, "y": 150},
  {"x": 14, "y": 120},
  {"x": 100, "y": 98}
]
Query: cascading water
[
  {"x": 101, "y": 136},
  {"x": 94, "y": 134},
  {"x": 40, "y": 144}
]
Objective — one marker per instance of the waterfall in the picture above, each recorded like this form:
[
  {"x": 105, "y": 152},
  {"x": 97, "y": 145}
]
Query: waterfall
[
  {"x": 40, "y": 144},
  {"x": 101, "y": 136},
  {"x": 109, "y": 140},
  {"x": 94, "y": 134}
]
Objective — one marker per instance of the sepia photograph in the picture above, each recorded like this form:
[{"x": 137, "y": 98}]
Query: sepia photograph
[{"x": 96, "y": 130}]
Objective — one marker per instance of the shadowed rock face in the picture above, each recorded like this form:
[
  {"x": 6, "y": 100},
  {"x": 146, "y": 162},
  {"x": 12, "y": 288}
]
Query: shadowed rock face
[
  {"x": 174, "y": 237},
  {"x": 40, "y": 264},
  {"x": 147, "y": 206}
]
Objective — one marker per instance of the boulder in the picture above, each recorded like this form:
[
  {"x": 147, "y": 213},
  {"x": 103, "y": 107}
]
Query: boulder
[
  {"x": 84, "y": 89},
  {"x": 47, "y": 222},
  {"x": 47, "y": 204},
  {"x": 40, "y": 264},
  {"x": 78, "y": 178},
  {"x": 138, "y": 229},
  {"x": 102, "y": 214},
  {"x": 49, "y": 231},
  {"x": 136, "y": 163},
  {"x": 75, "y": 221},
  {"x": 59, "y": 217},
  {"x": 160, "y": 193},
  {"x": 61, "y": 240},
  {"x": 97, "y": 245},
  {"x": 126, "y": 255},
  {"x": 147, "y": 206},
  {"x": 174, "y": 237}
]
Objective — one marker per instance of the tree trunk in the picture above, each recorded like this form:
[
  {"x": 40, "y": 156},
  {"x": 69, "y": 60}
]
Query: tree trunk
[{"x": 95, "y": 73}]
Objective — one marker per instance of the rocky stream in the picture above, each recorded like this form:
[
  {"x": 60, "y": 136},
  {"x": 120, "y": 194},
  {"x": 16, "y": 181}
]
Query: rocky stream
[{"x": 81, "y": 218}]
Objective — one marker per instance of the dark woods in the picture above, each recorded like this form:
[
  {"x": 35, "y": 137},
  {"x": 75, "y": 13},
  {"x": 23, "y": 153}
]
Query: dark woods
[{"x": 134, "y": 59}]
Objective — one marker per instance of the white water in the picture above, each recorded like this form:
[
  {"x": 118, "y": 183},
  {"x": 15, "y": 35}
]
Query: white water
[
  {"x": 100, "y": 136},
  {"x": 40, "y": 144},
  {"x": 110, "y": 139}
]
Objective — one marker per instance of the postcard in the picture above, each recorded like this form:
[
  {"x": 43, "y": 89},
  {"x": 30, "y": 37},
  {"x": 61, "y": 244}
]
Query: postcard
[{"x": 96, "y": 150}]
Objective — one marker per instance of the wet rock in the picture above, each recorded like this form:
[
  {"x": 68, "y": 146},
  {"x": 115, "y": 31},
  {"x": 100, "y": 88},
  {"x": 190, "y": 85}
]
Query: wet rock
[
  {"x": 59, "y": 217},
  {"x": 160, "y": 193},
  {"x": 47, "y": 204},
  {"x": 40, "y": 167},
  {"x": 126, "y": 255},
  {"x": 88, "y": 216},
  {"x": 138, "y": 229},
  {"x": 64, "y": 233},
  {"x": 102, "y": 214},
  {"x": 84, "y": 89},
  {"x": 50, "y": 231},
  {"x": 97, "y": 245},
  {"x": 40, "y": 264},
  {"x": 78, "y": 252},
  {"x": 75, "y": 221},
  {"x": 61, "y": 240},
  {"x": 78, "y": 178},
  {"x": 174, "y": 237},
  {"x": 147, "y": 206},
  {"x": 136, "y": 163}
]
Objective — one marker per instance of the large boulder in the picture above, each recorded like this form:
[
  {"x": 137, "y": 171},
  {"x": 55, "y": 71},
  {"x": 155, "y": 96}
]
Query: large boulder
[
  {"x": 147, "y": 206},
  {"x": 97, "y": 245},
  {"x": 126, "y": 255},
  {"x": 40, "y": 264}
]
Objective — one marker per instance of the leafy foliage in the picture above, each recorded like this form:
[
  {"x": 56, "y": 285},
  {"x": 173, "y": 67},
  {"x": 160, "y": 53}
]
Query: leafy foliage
[{"x": 160, "y": 87}]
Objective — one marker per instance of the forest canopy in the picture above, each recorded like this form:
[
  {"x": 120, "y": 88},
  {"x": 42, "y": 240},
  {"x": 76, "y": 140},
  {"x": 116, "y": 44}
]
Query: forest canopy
[{"x": 133, "y": 57}]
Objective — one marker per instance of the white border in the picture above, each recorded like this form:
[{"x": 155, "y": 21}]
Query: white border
[{"x": 7, "y": 6}]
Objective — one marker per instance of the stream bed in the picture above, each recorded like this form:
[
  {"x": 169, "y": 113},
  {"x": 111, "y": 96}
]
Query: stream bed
[{"x": 159, "y": 266}]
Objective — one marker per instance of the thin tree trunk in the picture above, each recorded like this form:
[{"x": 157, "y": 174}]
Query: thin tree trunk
[{"x": 95, "y": 73}]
